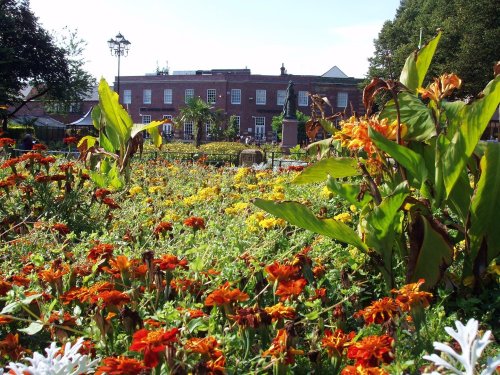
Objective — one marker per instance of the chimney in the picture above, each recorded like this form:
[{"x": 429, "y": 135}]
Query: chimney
[{"x": 283, "y": 70}]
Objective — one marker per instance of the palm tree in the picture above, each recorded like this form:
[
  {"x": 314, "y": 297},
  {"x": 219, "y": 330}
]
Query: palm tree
[{"x": 200, "y": 112}]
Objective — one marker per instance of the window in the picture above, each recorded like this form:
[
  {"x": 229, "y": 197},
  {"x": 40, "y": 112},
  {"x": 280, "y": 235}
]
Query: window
[
  {"x": 188, "y": 94},
  {"x": 280, "y": 97},
  {"x": 146, "y": 119},
  {"x": 188, "y": 130},
  {"x": 342, "y": 99},
  {"x": 167, "y": 128},
  {"x": 260, "y": 97},
  {"x": 127, "y": 96},
  {"x": 208, "y": 128},
  {"x": 237, "y": 122},
  {"x": 303, "y": 98},
  {"x": 74, "y": 108},
  {"x": 260, "y": 127},
  {"x": 146, "y": 96},
  {"x": 167, "y": 96},
  {"x": 235, "y": 96},
  {"x": 211, "y": 93}
]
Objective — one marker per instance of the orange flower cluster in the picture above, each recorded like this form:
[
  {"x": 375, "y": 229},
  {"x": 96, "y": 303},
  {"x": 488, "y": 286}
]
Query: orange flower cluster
[
  {"x": 169, "y": 262},
  {"x": 7, "y": 142},
  {"x": 379, "y": 311},
  {"x": 208, "y": 347},
  {"x": 195, "y": 222},
  {"x": 100, "y": 251},
  {"x": 11, "y": 348},
  {"x": 441, "y": 87},
  {"x": 372, "y": 351},
  {"x": 70, "y": 140},
  {"x": 281, "y": 348},
  {"x": 61, "y": 228},
  {"x": 121, "y": 366},
  {"x": 410, "y": 296},
  {"x": 280, "y": 311},
  {"x": 359, "y": 370},
  {"x": 162, "y": 228},
  {"x": 336, "y": 342},
  {"x": 289, "y": 283},
  {"x": 225, "y": 296},
  {"x": 153, "y": 343}
]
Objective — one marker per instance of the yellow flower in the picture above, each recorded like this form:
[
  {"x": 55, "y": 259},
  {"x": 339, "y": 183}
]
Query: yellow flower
[
  {"x": 168, "y": 202},
  {"x": 236, "y": 208},
  {"x": 325, "y": 193},
  {"x": 344, "y": 217},
  {"x": 134, "y": 190},
  {"x": 155, "y": 189},
  {"x": 252, "y": 187},
  {"x": 272, "y": 223},
  {"x": 353, "y": 208}
]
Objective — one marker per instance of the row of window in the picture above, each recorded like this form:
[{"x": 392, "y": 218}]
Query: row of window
[{"x": 260, "y": 97}]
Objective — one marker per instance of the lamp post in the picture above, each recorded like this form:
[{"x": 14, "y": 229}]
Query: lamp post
[{"x": 119, "y": 47}]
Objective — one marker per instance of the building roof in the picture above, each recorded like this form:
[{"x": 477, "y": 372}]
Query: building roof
[
  {"x": 335, "y": 72},
  {"x": 85, "y": 120},
  {"x": 45, "y": 121}
]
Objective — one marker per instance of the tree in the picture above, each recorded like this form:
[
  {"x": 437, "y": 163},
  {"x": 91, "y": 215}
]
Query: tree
[
  {"x": 200, "y": 112},
  {"x": 232, "y": 129},
  {"x": 470, "y": 48},
  {"x": 30, "y": 56}
]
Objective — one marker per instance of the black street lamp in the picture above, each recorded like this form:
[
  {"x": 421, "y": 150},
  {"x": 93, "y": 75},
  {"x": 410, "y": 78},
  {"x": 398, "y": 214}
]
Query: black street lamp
[{"x": 119, "y": 47}]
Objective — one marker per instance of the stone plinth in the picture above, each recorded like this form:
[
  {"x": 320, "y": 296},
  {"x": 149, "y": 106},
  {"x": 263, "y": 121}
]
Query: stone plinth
[
  {"x": 289, "y": 135},
  {"x": 251, "y": 157}
]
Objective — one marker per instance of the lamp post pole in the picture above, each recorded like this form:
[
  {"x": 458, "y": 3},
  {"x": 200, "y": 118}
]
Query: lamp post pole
[{"x": 119, "y": 47}]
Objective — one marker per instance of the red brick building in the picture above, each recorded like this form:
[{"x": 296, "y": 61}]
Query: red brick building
[{"x": 253, "y": 99}]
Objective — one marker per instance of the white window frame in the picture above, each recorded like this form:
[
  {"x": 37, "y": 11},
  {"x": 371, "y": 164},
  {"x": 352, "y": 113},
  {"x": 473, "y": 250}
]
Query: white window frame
[
  {"x": 188, "y": 125},
  {"x": 303, "y": 99},
  {"x": 260, "y": 127},
  {"x": 235, "y": 96},
  {"x": 260, "y": 97},
  {"x": 211, "y": 96},
  {"x": 146, "y": 119},
  {"x": 127, "y": 96},
  {"x": 146, "y": 96},
  {"x": 167, "y": 128},
  {"x": 188, "y": 94},
  {"x": 342, "y": 99},
  {"x": 280, "y": 97},
  {"x": 167, "y": 96},
  {"x": 238, "y": 121}
]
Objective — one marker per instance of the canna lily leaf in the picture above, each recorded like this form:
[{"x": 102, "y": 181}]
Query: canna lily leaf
[{"x": 334, "y": 167}]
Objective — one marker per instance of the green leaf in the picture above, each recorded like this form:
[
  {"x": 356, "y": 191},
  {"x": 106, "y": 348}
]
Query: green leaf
[
  {"x": 417, "y": 64},
  {"x": 451, "y": 115},
  {"x": 414, "y": 114},
  {"x": 91, "y": 141},
  {"x": 11, "y": 307},
  {"x": 434, "y": 256},
  {"x": 328, "y": 126},
  {"x": 485, "y": 209},
  {"x": 33, "y": 328},
  {"x": 349, "y": 192},
  {"x": 96, "y": 117},
  {"x": 410, "y": 160},
  {"x": 474, "y": 118},
  {"x": 29, "y": 299},
  {"x": 334, "y": 167},
  {"x": 299, "y": 215},
  {"x": 106, "y": 143}
]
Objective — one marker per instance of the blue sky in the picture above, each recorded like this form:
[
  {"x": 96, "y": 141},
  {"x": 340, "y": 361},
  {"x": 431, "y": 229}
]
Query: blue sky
[{"x": 201, "y": 34}]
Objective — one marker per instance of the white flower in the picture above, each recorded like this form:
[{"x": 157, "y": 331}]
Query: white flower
[
  {"x": 471, "y": 346},
  {"x": 69, "y": 363}
]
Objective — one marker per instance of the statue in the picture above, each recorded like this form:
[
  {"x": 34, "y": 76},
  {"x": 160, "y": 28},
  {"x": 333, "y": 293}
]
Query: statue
[{"x": 290, "y": 106}]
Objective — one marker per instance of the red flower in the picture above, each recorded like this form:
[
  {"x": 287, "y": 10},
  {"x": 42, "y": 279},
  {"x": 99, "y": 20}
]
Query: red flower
[
  {"x": 121, "y": 366},
  {"x": 281, "y": 348},
  {"x": 70, "y": 140},
  {"x": 61, "y": 228},
  {"x": 290, "y": 288},
  {"x": 101, "y": 251},
  {"x": 372, "y": 351},
  {"x": 112, "y": 297},
  {"x": 410, "y": 296},
  {"x": 10, "y": 347},
  {"x": 102, "y": 193},
  {"x": 169, "y": 262},
  {"x": 7, "y": 142},
  {"x": 281, "y": 272},
  {"x": 152, "y": 343},
  {"x": 252, "y": 317},
  {"x": 336, "y": 342},
  {"x": 39, "y": 147},
  {"x": 359, "y": 370},
  {"x": 162, "y": 227},
  {"x": 110, "y": 203},
  {"x": 195, "y": 222},
  {"x": 280, "y": 311}
]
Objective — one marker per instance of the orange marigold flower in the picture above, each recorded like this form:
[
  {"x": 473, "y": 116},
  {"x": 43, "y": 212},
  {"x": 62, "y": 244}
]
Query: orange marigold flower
[
  {"x": 169, "y": 262},
  {"x": 360, "y": 370},
  {"x": 10, "y": 163},
  {"x": 7, "y": 142},
  {"x": 281, "y": 272},
  {"x": 195, "y": 222},
  {"x": 110, "y": 203},
  {"x": 290, "y": 288},
  {"x": 152, "y": 343},
  {"x": 252, "y": 317},
  {"x": 191, "y": 286},
  {"x": 102, "y": 193},
  {"x": 379, "y": 311},
  {"x": 41, "y": 178},
  {"x": 195, "y": 313},
  {"x": 410, "y": 296},
  {"x": 153, "y": 323},
  {"x": 10, "y": 347},
  {"x": 85, "y": 294},
  {"x": 205, "y": 345},
  {"x": 66, "y": 167},
  {"x": 216, "y": 365},
  {"x": 47, "y": 160},
  {"x": 280, "y": 311},
  {"x": 54, "y": 273},
  {"x": 100, "y": 251},
  {"x": 162, "y": 227},
  {"x": 281, "y": 348},
  {"x": 63, "y": 229},
  {"x": 39, "y": 147},
  {"x": 70, "y": 140},
  {"x": 336, "y": 342},
  {"x": 121, "y": 366},
  {"x": 32, "y": 156},
  {"x": 372, "y": 351},
  {"x": 111, "y": 297},
  {"x": 224, "y": 295}
]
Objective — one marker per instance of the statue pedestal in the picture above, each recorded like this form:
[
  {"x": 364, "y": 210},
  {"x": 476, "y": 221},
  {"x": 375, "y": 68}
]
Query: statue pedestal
[{"x": 289, "y": 134}]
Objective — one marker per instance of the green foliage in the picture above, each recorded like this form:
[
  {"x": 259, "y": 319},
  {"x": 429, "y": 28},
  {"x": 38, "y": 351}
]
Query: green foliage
[
  {"x": 277, "y": 124},
  {"x": 200, "y": 113}
]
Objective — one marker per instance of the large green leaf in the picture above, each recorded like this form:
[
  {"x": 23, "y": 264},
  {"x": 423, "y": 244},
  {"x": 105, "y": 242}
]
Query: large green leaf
[
  {"x": 410, "y": 160},
  {"x": 299, "y": 215},
  {"x": 137, "y": 128},
  {"x": 434, "y": 256},
  {"x": 450, "y": 117},
  {"x": 350, "y": 192},
  {"x": 414, "y": 114},
  {"x": 474, "y": 118},
  {"x": 485, "y": 210},
  {"x": 417, "y": 64},
  {"x": 335, "y": 167}
]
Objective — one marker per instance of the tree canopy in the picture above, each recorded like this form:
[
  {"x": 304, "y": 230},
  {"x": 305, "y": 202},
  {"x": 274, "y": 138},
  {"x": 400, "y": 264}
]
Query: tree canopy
[
  {"x": 30, "y": 56},
  {"x": 469, "y": 44},
  {"x": 199, "y": 112}
]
